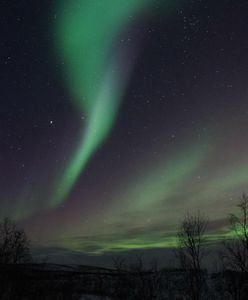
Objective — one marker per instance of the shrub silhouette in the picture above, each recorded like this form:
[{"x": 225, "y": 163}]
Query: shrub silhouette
[{"x": 14, "y": 245}]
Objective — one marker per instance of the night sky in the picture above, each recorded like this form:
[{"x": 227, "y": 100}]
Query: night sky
[{"x": 117, "y": 117}]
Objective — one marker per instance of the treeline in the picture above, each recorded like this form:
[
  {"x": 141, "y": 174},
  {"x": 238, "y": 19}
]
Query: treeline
[
  {"x": 194, "y": 247},
  {"x": 191, "y": 280}
]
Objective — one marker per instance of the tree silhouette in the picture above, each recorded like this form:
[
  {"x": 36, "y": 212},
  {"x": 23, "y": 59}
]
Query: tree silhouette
[
  {"x": 190, "y": 252},
  {"x": 236, "y": 249},
  {"x": 234, "y": 254},
  {"x": 14, "y": 245}
]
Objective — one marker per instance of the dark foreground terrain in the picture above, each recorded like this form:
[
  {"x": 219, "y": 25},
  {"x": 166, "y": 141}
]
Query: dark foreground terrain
[{"x": 48, "y": 281}]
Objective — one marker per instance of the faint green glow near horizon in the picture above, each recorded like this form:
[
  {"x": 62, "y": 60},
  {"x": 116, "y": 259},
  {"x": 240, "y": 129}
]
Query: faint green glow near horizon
[
  {"x": 120, "y": 235},
  {"x": 114, "y": 244}
]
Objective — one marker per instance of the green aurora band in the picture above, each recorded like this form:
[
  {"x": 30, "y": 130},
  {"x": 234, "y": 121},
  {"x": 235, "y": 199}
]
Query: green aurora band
[
  {"x": 147, "y": 213},
  {"x": 86, "y": 32}
]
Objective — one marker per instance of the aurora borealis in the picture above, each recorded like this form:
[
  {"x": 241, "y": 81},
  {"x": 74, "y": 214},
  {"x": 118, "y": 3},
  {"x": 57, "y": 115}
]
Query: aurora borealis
[
  {"x": 119, "y": 116},
  {"x": 96, "y": 76}
]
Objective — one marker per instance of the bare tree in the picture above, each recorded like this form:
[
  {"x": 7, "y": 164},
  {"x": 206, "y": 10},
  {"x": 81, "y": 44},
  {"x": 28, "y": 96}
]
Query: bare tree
[
  {"x": 190, "y": 252},
  {"x": 14, "y": 245},
  {"x": 235, "y": 253}
]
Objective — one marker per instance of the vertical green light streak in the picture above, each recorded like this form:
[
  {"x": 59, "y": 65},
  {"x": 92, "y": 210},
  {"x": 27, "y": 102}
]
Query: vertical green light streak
[
  {"x": 86, "y": 31},
  {"x": 98, "y": 127}
]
